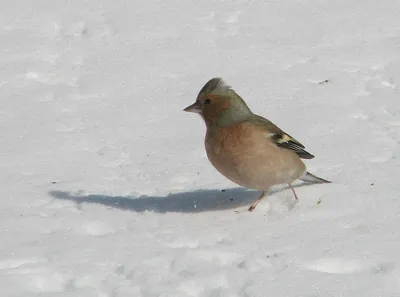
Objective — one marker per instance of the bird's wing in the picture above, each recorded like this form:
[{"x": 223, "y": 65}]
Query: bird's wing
[{"x": 281, "y": 138}]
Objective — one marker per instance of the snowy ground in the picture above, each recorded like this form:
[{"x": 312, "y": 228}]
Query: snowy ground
[{"x": 106, "y": 188}]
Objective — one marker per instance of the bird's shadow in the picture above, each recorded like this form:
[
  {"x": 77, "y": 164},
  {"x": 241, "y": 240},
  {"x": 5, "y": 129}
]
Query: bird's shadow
[{"x": 183, "y": 202}]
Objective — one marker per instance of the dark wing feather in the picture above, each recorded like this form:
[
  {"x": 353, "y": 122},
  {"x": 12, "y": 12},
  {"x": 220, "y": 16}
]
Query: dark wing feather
[{"x": 283, "y": 139}]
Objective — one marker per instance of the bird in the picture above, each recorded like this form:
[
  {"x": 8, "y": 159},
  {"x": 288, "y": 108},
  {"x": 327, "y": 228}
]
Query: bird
[{"x": 246, "y": 148}]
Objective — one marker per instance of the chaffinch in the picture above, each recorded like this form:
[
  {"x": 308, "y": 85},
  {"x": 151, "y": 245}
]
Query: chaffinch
[{"x": 246, "y": 148}]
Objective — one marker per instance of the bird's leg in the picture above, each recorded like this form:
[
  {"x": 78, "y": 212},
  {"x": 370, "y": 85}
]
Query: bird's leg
[
  {"x": 253, "y": 206},
  {"x": 294, "y": 193}
]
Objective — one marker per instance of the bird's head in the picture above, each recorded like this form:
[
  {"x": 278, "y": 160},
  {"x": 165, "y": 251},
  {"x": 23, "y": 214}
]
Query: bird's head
[{"x": 220, "y": 105}]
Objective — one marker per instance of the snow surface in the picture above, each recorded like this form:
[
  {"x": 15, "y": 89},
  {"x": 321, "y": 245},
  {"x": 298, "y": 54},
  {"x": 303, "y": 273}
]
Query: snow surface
[{"x": 106, "y": 187}]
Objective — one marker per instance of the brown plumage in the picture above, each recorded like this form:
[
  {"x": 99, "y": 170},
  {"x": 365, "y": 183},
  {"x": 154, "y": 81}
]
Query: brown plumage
[{"x": 246, "y": 148}]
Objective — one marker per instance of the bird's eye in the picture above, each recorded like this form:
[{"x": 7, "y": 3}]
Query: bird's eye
[{"x": 207, "y": 101}]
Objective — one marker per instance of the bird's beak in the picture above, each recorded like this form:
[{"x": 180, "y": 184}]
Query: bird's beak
[{"x": 195, "y": 107}]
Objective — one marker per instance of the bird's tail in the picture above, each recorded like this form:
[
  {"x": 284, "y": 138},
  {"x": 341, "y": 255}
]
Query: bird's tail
[{"x": 311, "y": 178}]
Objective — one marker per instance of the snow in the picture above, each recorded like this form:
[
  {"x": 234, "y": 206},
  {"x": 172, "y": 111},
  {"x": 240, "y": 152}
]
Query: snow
[{"x": 106, "y": 187}]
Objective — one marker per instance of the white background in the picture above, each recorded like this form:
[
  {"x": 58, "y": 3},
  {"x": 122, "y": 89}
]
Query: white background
[{"x": 106, "y": 189}]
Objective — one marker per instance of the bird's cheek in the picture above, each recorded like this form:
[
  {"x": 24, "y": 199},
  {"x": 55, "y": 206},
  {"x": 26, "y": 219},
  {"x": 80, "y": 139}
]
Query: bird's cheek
[{"x": 210, "y": 113}]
